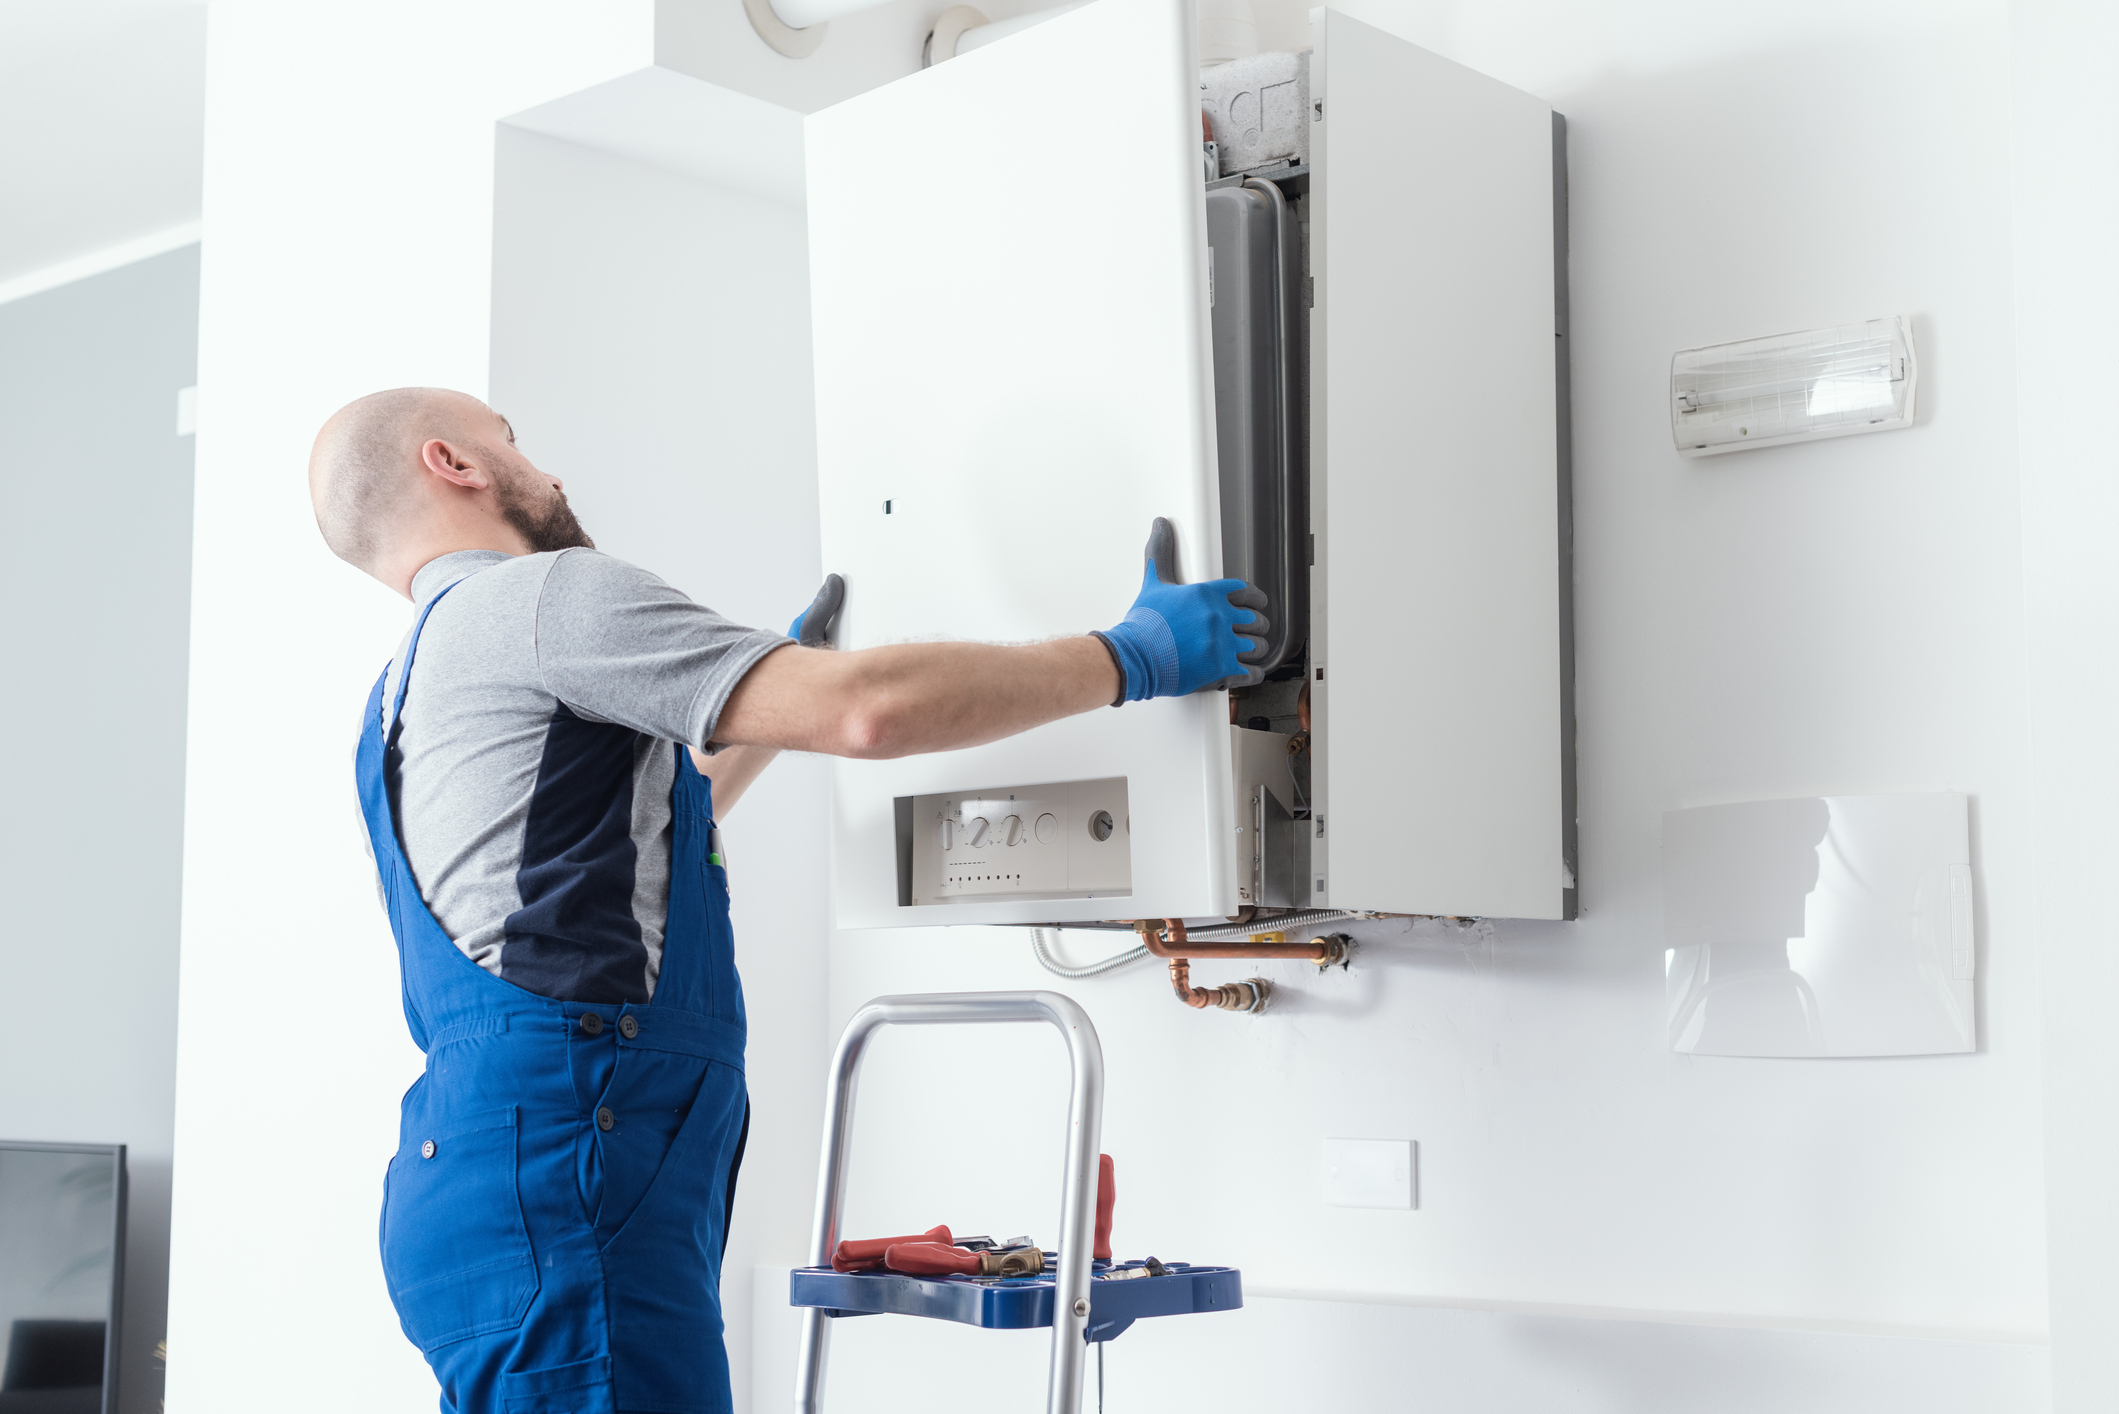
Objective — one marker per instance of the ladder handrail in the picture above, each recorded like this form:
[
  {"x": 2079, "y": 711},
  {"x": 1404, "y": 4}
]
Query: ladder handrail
[{"x": 1085, "y": 1116}]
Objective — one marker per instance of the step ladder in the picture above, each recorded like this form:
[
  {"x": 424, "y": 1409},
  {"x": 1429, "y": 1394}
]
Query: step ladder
[{"x": 1080, "y": 1309}]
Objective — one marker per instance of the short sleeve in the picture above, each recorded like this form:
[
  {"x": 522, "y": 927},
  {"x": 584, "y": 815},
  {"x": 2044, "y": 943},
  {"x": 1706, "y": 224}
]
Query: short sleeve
[{"x": 617, "y": 644}]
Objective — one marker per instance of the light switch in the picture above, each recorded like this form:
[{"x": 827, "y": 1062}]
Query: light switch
[{"x": 1371, "y": 1173}]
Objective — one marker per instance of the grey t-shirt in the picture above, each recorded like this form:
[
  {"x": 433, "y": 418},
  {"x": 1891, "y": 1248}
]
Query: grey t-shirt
[{"x": 532, "y": 777}]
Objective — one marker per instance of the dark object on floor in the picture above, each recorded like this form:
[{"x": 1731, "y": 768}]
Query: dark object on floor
[
  {"x": 54, "y": 1355},
  {"x": 53, "y": 1401}
]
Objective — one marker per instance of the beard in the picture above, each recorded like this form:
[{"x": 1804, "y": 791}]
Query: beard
[{"x": 547, "y": 526}]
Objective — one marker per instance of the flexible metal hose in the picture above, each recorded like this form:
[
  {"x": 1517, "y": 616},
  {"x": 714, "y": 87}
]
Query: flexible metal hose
[
  {"x": 1040, "y": 945},
  {"x": 1284, "y": 923}
]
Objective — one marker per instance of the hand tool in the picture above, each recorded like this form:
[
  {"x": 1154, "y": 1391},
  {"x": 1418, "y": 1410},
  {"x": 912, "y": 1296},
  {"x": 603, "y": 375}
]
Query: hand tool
[
  {"x": 1106, "y": 1197},
  {"x": 867, "y": 1254},
  {"x": 918, "y": 1258},
  {"x": 988, "y": 1244}
]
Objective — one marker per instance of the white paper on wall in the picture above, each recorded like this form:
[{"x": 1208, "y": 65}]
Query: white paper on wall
[{"x": 1822, "y": 926}]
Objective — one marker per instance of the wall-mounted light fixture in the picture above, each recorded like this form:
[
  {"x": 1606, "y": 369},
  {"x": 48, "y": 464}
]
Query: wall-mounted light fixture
[{"x": 1794, "y": 387}]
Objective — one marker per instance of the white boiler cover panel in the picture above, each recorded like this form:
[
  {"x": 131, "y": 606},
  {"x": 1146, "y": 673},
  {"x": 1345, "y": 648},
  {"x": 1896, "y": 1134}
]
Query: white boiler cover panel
[
  {"x": 1012, "y": 353},
  {"x": 1436, "y": 497}
]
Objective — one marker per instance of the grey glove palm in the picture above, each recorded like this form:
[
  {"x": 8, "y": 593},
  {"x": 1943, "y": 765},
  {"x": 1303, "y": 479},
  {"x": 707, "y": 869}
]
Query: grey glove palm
[{"x": 812, "y": 627}]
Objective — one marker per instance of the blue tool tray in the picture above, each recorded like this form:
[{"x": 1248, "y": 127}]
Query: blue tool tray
[{"x": 1018, "y": 1303}]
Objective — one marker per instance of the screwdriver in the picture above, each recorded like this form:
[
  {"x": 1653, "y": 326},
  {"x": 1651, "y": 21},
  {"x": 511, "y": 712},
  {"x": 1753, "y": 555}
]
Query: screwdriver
[
  {"x": 867, "y": 1254},
  {"x": 1106, "y": 1199},
  {"x": 918, "y": 1258}
]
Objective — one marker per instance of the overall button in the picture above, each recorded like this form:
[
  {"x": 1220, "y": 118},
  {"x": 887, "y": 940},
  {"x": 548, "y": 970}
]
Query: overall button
[
  {"x": 627, "y": 1027},
  {"x": 426, "y": 1150},
  {"x": 591, "y": 1023},
  {"x": 605, "y": 1120}
]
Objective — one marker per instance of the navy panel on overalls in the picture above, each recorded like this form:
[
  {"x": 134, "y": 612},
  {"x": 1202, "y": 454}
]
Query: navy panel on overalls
[{"x": 554, "y": 1219}]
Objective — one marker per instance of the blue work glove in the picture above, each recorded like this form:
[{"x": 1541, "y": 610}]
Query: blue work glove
[
  {"x": 812, "y": 627},
  {"x": 1181, "y": 638}
]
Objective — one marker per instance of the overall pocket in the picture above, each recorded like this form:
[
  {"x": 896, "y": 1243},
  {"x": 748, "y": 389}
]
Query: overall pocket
[
  {"x": 583, "y": 1388},
  {"x": 456, "y": 1254}
]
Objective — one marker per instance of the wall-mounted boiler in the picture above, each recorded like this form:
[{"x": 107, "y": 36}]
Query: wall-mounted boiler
[{"x": 1330, "y": 347}]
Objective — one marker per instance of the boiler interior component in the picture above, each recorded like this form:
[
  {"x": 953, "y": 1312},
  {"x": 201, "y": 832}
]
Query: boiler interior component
[
  {"x": 1272, "y": 852},
  {"x": 1254, "y": 264},
  {"x": 1829, "y": 926},
  {"x": 1260, "y": 110}
]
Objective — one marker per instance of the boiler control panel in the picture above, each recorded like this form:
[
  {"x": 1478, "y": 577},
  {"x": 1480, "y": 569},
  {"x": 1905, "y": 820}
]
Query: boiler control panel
[{"x": 1072, "y": 839}]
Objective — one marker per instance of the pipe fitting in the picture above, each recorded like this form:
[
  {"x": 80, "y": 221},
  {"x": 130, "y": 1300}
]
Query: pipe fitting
[{"x": 1246, "y": 996}]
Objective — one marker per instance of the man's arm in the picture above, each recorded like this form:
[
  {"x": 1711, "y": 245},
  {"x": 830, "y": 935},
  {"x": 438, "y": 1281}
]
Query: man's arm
[
  {"x": 732, "y": 770},
  {"x": 908, "y": 698}
]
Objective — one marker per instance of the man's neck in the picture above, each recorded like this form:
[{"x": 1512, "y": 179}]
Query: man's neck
[
  {"x": 430, "y": 578},
  {"x": 402, "y": 568}
]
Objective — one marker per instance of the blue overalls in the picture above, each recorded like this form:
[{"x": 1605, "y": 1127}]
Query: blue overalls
[{"x": 554, "y": 1220}]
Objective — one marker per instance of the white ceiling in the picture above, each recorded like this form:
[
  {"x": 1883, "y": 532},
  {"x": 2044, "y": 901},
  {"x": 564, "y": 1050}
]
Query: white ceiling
[{"x": 101, "y": 125}]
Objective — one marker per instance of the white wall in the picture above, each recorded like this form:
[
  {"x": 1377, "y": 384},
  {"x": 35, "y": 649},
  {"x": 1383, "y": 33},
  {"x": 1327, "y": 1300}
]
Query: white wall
[
  {"x": 98, "y": 571},
  {"x": 651, "y": 346},
  {"x": 2066, "y": 230},
  {"x": 348, "y": 214},
  {"x": 1845, "y": 616},
  {"x": 348, "y": 247},
  {"x": 101, "y": 103},
  {"x": 1839, "y": 617}
]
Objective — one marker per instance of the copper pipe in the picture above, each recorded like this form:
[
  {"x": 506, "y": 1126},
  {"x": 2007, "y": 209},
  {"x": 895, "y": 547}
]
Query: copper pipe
[
  {"x": 1230, "y": 996},
  {"x": 1168, "y": 941}
]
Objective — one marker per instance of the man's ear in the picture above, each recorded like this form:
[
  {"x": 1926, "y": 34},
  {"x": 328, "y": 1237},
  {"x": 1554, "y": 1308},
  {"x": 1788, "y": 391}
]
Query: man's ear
[{"x": 453, "y": 465}]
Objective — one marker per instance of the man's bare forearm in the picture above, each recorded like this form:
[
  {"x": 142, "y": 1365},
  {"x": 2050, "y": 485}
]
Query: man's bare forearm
[
  {"x": 732, "y": 771},
  {"x": 908, "y": 698},
  {"x": 941, "y": 696}
]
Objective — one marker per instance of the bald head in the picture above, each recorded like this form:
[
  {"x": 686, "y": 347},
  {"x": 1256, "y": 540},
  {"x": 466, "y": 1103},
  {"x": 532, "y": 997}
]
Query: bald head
[
  {"x": 400, "y": 477},
  {"x": 365, "y": 470}
]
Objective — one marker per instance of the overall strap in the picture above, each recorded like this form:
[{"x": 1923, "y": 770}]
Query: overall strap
[
  {"x": 404, "y": 669},
  {"x": 421, "y": 941}
]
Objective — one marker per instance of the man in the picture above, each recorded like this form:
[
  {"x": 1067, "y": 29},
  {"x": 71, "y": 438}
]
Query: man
[{"x": 538, "y": 768}]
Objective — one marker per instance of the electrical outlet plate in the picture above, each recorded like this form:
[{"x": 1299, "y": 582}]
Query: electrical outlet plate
[{"x": 1372, "y": 1173}]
